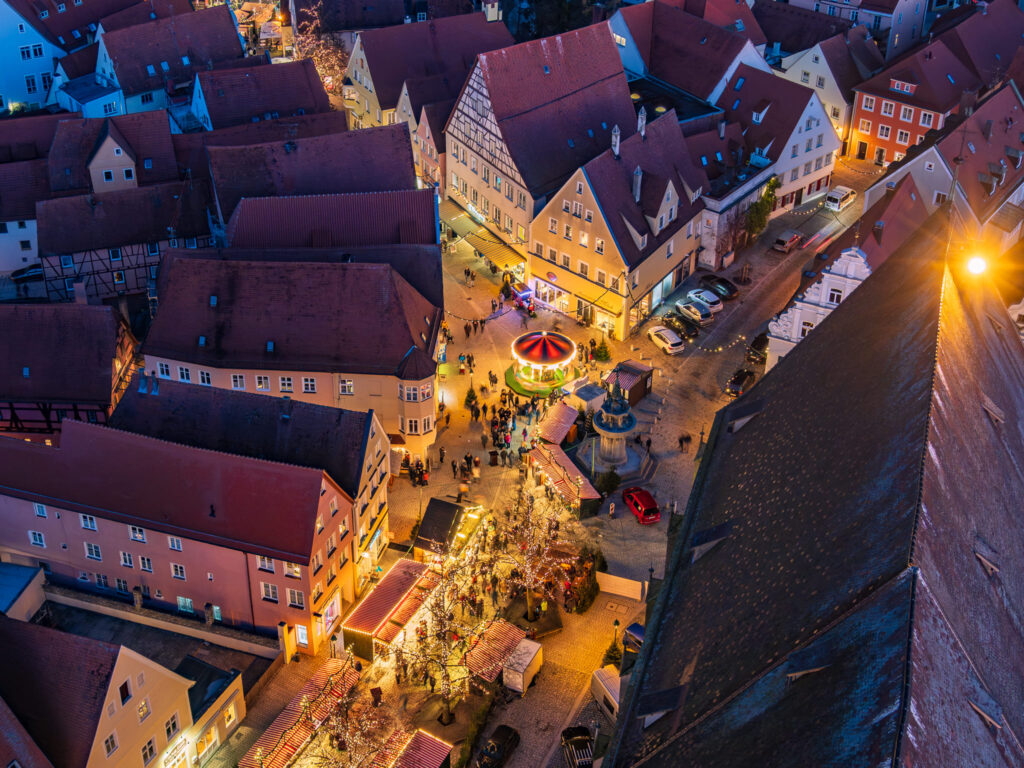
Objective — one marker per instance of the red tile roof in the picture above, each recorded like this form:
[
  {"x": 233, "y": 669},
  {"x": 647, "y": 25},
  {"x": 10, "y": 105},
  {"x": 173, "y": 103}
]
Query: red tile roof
[
  {"x": 237, "y": 96},
  {"x": 29, "y": 138},
  {"x": 437, "y": 115},
  {"x": 852, "y": 58},
  {"x": 16, "y": 744},
  {"x": 55, "y": 683},
  {"x": 146, "y": 136},
  {"x": 116, "y": 219},
  {"x": 556, "y": 100},
  {"x": 371, "y": 160},
  {"x": 136, "y": 479},
  {"x": 366, "y": 218},
  {"x": 662, "y": 156},
  {"x": 60, "y": 25},
  {"x": 68, "y": 350},
  {"x": 793, "y": 28},
  {"x": 22, "y": 185},
  {"x": 146, "y": 11},
  {"x": 436, "y": 88},
  {"x": 190, "y": 148},
  {"x": 987, "y": 40},
  {"x": 941, "y": 78},
  {"x": 81, "y": 62},
  {"x": 396, "y": 54},
  {"x": 202, "y": 37},
  {"x": 321, "y": 316},
  {"x": 374, "y": 609},
  {"x": 734, "y": 15},
  {"x": 685, "y": 51}
]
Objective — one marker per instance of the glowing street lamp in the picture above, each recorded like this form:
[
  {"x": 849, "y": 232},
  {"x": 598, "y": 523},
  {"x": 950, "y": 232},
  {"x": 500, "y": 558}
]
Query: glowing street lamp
[{"x": 976, "y": 265}]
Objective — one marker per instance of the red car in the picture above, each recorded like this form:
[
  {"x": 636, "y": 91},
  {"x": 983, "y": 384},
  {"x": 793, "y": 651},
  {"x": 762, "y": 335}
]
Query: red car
[{"x": 642, "y": 505}]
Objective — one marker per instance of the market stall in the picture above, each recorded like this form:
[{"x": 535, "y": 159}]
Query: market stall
[
  {"x": 413, "y": 750},
  {"x": 561, "y": 475},
  {"x": 446, "y": 527},
  {"x": 557, "y": 423},
  {"x": 492, "y": 648}
]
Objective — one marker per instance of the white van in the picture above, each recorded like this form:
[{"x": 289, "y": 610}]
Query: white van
[
  {"x": 605, "y": 684},
  {"x": 839, "y": 197}
]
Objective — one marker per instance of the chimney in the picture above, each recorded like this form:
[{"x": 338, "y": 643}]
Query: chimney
[
  {"x": 721, "y": 129},
  {"x": 638, "y": 176},
  {"x": 641, "y": 123},
  {"x": 616, "y": 137}
]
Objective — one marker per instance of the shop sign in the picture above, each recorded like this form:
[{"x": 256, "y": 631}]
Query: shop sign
[
  {"x": 552, "y": 277},
  {"x": 174, "y": 753}
]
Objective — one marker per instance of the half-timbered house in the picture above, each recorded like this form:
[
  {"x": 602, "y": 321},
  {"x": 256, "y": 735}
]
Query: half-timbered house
[
  {"x": 60, "y": 361},
  {"x": 110, "y": 245}
]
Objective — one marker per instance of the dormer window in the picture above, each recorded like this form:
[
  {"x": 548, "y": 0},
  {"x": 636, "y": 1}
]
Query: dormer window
[
  {"x": 270, "y": 346},
  {"x": 739, "y": 83},
  {"x": 117, "y": 152},
  {"x": 164, "y": 66},
  {"x": 150, "y": 70},
  {"x": 643, "y": 242}
]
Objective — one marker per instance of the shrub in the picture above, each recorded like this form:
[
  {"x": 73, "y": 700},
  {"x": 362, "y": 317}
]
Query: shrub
[
  {"x": 601, "y": 352},
  {"x": 470, "y": 397},
  {"x": 613, "y": 655},
  {"x": 607, "y": 482}
]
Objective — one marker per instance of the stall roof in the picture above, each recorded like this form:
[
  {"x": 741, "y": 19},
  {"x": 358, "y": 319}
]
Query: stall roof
[
  {"x": 438, "y": 525},
  {"x": 498, "y": 641},
  {"x": 557, "y": 422},
  {"x": 417, "y": 750},
  {"x": 383, "y": 599},
  {"x": 629, "y": 372},
  {"x": 569, "y": 481}
]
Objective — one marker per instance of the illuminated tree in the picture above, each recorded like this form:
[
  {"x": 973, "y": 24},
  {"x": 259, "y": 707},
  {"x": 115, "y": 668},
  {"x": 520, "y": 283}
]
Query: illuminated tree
[{"x": 323, "y": 48}]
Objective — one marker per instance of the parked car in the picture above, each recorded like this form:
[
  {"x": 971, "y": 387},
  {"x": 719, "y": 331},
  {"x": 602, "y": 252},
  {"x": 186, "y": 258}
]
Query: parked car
[
  {"x": 839, "y": 198},
  {"x": 28, "y": 274},
  {"x": 739, "y": 383},
  {"x": 642, "y": 505},
  {"x": 685, "y": 326},
  {"x": 498, "y": 748},
  {"x": 757, "y": 352},
  {"x": 706, "y": 297},
  {"x": 665, "y": 340},
  {"x": 577, "y": 747},
  {"x": 787, "y": 241},
  {"x": 719, "y": 285},
  {"x": 697, "y": 310}
]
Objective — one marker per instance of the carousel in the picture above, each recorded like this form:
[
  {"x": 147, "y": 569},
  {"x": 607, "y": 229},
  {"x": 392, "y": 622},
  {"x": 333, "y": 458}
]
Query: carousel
[{"x": 543, "y": 362}]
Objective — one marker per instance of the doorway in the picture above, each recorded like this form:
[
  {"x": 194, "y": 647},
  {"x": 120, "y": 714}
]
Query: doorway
[{"x": 862, "y": 150}]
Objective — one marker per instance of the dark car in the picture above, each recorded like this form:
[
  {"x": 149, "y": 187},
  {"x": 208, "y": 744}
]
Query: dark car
[
  {"x": 642, "y": 505},
  {"x": 682, "y": 325},
  {"x": 27, "y": 274},
  {"x": 739, "y": 383},
  {"x": 577, "y": 747},
  {"x": 498, "y": 748},
  {"x": 719, "y": 285},
  {"x": 757, "y": 352}
]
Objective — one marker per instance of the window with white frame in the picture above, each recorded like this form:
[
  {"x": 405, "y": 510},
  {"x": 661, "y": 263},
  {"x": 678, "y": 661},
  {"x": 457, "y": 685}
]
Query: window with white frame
[
  {"x": 184, "y": 374},
  {"x": 929, "y": 167},
  {"x": 805, "y": 328},
  {"x": 888, "y": 108},
  {"x": 92, "y": 551},
  {"x": 122, "y": 586},
  {"x": 285, "y": 383},
  {"x": 269, "y": 591},
  {"x": 296, "y": 599},
  {"x": 565, "y": 260},
  {"x": 602, "y": 277},
  {"x": 145, "y": 564},
  {"x": 584, "y": 239},
  {"x": 309, "y": 385},
  {"x": 263, "y": 383},
  {"x": 265, "y": 563},
  {"x": 553, "y": 225},
  {"x": 868, "y": 103},
  {"x": 598, "y": 245},
  {"x": 164, "y": 369},
  {"x": 835, "y": 295},
  {"x": 88, "y": 522},
  {"x": 178, "y": 571},
  {"x": 171, "y": 727},
  {"x": 127, "y": 560},
  {"x": 37, "y": 539},
  {"x": 926, "y": 119},
  {"x": 292, "y": 570},
  {"x": 426, "y": 391},
  {"x": 237, "y": 381},
  {"x": 205, "y": 378},
  {"x": 584, "y": 269},
  {"x": 884, "y": 132},
  {"x": 173, "y": 542},
  {"x": 137, "y": 534},
  {"x": 346, "y": 387},
  {"x": 148, "y": 752},
  {"x": 865, "y": 126},
  {"x": 110, "y": 744},
  {"x": 40, "y": 510},
  {"x": 903, "y": 137},
  {"x": 412, "y": 426}
]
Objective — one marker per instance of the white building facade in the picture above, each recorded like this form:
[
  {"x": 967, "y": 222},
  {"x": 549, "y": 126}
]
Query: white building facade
[
  {"x": 805, "y": 163},
  {"x": 26, "y": 62}
]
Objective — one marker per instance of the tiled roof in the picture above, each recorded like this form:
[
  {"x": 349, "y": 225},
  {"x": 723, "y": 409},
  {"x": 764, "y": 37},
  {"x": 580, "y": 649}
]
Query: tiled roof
[
  {"x": 200, "y": 38},
  {"x": 727, "y": 14},
  {"x": 433, "y": 89},
  {"x": 371, "y": 160},
  {"x": 785, "y": 100},
  {"x": 237, "y": 96},
  {"x": 852, "y": 58},
  {"x": 145, "y": 11},
  {"x": 368, "y": 317},
  {"x": 662, "y": 157},
  {"x": 941, "y": 78},
  {"x": 723, "y": 175},
  {"x": 556, "y": 100},
  {"x": 423, "y": 49},
  {"x": 58, "y": 26},
  {"x": 793, "y": 28},
  {"x": 867, "y": 572},
  {"x": 147, "y": 136},
  {"x": 244, "y": 424},
  {"x": 68, "y": 350},
  {"x": 22, "y": 185},
  {"x": 37, "y": 663},
  {"x": 437, "y": 115},
  {"x": 16, "y": 744},
  {"x": 323, "y": 221},
  {"x": 29, "y": 138},
  {"x": 685, "y": 51},
  {"x": 116, "y": 219},
  {"x": 81, "y": 62},
  {"x": 190, "y": 148},
  {"x": 987, "y": 40},
  {"x": 131, "y": 478},
  {"x": 374, "y": 609},
  {"x": 349, "y": 15}
]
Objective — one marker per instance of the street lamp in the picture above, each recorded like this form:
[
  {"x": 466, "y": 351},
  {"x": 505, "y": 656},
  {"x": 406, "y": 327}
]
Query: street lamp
[
  {"x": 615, "y": 635},
  {"x": 976, "y": 265}
]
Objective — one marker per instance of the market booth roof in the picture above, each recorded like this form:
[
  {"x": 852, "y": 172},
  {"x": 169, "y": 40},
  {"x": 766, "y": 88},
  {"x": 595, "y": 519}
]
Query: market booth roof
[
  {"x": 544, "y": 348},
  {"x": 412, "y": 750},
  {"x": 566, "y": 477},
  {"x": 438, "y": 527},
  {"x": 492, "y": 650},
  {"x": 557, "y": 422},
  {"x": 382, "y": 601}
]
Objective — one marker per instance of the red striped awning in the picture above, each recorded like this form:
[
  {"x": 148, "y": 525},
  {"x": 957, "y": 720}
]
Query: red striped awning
[
  {"x": 488, "y": 656},
  {"x": 417, "y": 750},
  {"x": 568, "y": 480},
  {"x": 557, "y": 422},
  {"x": 384, "y": 598}
]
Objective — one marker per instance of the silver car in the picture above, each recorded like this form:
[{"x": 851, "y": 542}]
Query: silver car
[
  {"x": 697, "y": 310},
  {"x": 666, "y": 340},
  {"x": 705, "y": 296}
]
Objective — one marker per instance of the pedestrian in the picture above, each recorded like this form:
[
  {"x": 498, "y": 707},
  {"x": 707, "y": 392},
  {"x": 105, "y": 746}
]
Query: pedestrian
[
  {"x": 474, "y": 328},
  {"x": 447, "y": 419},
  {"x": 544, "y": 607},
  {"x": 524, "y": 434},
  {"x": 433, "y": 682},
  {"x": 611, "y": 510},
  {"x": 494, "y": 306},
  {"x": 441, "y": 453},
  {"x": 501, "y": 303},
  {"x": 525, "y": 324},
  {"x": 504, "y": 455},
  {"x": 468, "y": 329},
  {"x": 483, "y": 410},
  {"x": 483, "y": 440},
  {"x": 455, "y": 470},
  {"x": 648, "y": 445}
]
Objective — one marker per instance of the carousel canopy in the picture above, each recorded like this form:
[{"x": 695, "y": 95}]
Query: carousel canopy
[{"x": 543, "y": 348}]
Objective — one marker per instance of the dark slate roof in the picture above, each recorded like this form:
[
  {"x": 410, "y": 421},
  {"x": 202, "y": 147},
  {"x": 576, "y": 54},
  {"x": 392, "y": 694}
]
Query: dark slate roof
[
  {"x": 17, "y": 744},
  {"x": 248, "y": 424},
  {"x": 987, "y": 40},
  {"x": 36, "y": 663},
  {"x": 144, "y": 12},
  {"x": 22, "y": 185},
  {"x": 68, "y": 349},
  {"x": 238, "y": 95},
  {"x": 29, "y": 138},
  {"x": 128, "y": 217},
  {"x": 804, "y": 536},
  {"x": 210, "y": 682},
  {"x": 371, "y": 160},
  {"x": 438, "y": 525},
  {"x": 355, "y": 219},
  {"x": 321, "y": 316},
  {"x": 793, "y": 28},
  {"x": 80, "y": 63}
]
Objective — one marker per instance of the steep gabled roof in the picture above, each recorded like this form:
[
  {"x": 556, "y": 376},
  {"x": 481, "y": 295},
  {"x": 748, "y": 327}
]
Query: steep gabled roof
[
  {"x": 795, "y": 29},
  {"x": 556, "y": 100},
  {"x": 371, "y": 160},
  {"x": 435, "y": 88},
  {"x": 867, "y": 570},
  {"x": 662, "y": 157},
  {"x": 29, "y": 138},
  {"x": 16, "y": 744},
  {"x": 58, "y": 26},
  {"x": 22, "y": 185},
  {"x": 437, "y": 115},
  {"x": 727, "y": 14},
  {"x": 185, "y": 44},
  {"x": 144, "y": 12},
  {"x": 68, "y": 351},
  {"x": 988, "y": 39},
  {"x": 939, "y": 76},
  {"x": 80, "y": 63},
  {"x": 324, "y": 221},
  {"x": 239, "y": 95},
  {"x": 852, "y": 58},
  {"x": 38, "y": 661},
  {"x": 349, "y": 15},
  {"x": 321, "y": 316},
  {"x": 244, "y": 424},
  {"x": 427, "y": 48}
]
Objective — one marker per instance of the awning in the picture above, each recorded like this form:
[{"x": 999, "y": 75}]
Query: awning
[
  {"x": 557, "y": 422},
  {"x": 479, "y": 237},
  {"x": 566, "y": 477},
  {"x": 417, "y": 750},
  {"x": 385, "y": 598},
  {"x": 496, "y": 644}
]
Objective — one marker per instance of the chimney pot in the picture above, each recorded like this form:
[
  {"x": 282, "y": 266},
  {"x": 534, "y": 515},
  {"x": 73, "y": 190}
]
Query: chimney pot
[
  {"x": 616, "y": 137},
  {"x": 641, "y": 123},
  {"x": 638, "y": 177},
  {"x": 721, "y": 129}
]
